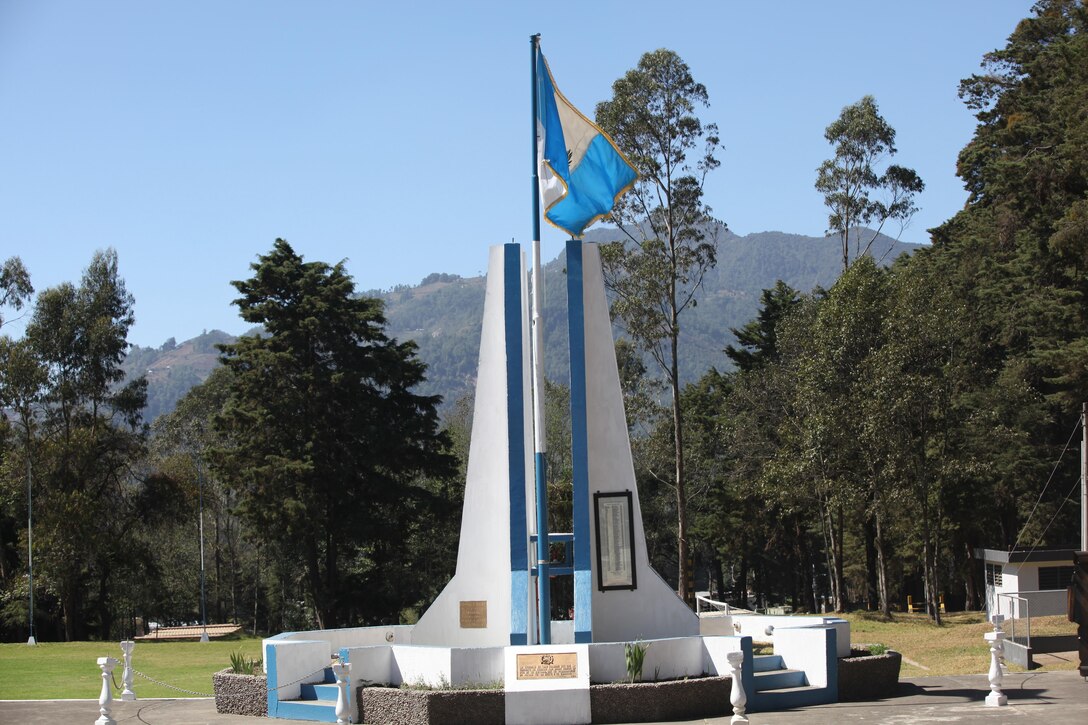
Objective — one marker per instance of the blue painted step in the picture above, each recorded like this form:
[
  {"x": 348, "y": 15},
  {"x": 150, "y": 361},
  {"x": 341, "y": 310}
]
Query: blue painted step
[
  {"x": 790, "y": 697},
  {"x": 766, "y": 663},
  {"x": 316, "y": 704},
  {"x": 312, "y": 710},
  {"x": 320, "y": 692},
  {"x": 779, "y": 680}
]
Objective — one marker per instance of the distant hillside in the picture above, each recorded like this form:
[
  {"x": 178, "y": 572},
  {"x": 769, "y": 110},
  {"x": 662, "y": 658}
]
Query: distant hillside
[
  {"x": 443, "y": 314},
  {"x": 173, "y": 369}
]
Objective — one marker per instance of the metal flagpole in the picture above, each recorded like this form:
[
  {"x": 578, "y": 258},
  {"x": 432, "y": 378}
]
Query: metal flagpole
[
  {"x": 203, "y": 601},
  {"x": 30, "y": 534},
  {"x": 543, "y": 554},
  {"x": 1084, "y": 477}
]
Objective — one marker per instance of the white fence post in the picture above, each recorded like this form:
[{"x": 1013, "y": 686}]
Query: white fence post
[
  {"x": 996, "y": 698},
  {"x": 106, "y": 664},
  {"x": 342, "y": 670},
  {"x": 126, "y": 679},
  {"x": 737, "y": 698}
]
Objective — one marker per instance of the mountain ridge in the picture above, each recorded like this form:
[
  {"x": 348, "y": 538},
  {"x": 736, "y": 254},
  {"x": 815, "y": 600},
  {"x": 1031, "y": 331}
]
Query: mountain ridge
[{"x": 443, "y": 314}]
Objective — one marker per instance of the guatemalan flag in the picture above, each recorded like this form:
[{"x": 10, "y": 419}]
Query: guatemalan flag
[{"x": 582, "y": 173}]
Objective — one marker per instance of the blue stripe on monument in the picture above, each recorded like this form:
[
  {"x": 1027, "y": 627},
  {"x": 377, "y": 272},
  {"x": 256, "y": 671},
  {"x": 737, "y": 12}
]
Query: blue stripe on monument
[
  {"x": 515, "y": 410},
  {"x": 273, "y": 693},
  {"x": 579, "y": 446}
]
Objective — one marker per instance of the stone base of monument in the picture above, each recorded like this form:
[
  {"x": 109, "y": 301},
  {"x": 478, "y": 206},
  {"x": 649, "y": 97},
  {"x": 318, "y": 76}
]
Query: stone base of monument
[
  {"x": 547, "y": 685},
  {"x": 621, "y": 702},
  {"x": 562, "y": 683}
]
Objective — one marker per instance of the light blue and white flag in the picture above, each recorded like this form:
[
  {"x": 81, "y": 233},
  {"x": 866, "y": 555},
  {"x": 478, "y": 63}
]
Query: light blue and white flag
[{"x": 582, "y": 173}]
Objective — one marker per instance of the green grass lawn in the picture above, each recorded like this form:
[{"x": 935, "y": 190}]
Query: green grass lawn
[{"x": 67, "y": 670}]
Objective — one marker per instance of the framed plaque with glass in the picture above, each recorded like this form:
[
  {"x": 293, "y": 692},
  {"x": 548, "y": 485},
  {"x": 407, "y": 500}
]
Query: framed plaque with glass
[{"x": 615, "y": 540}]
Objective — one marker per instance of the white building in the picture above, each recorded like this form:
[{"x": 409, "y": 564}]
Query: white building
[{"x": 1029, "y": 583}]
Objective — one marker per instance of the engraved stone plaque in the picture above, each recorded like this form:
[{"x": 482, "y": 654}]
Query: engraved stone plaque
[
  {"x": 548, "y": 666},
  {"x": 474, "y": 615}
]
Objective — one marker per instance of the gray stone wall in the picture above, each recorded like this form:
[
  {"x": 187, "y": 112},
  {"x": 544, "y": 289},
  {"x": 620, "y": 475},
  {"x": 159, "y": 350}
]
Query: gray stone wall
[
  {"x": 869, "y": 677},
  {"x": 393, "y": 706},
  {"x": 240, "y": 694},
  {"x": 690, "y": 699}
]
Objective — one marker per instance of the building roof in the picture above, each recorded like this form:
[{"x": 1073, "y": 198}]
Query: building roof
[{"x": 998, "y": 556}]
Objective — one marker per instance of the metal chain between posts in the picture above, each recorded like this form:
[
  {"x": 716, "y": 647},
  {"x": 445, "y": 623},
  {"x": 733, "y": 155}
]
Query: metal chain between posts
[
  {"x": 208, "y": 694},
  {"x": 171, "y": 687}
]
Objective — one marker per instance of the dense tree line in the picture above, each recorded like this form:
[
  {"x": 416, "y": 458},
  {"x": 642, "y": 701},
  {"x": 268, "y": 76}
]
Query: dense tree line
[
  {"x": 870, "y": 436},
  {"x": 306, "y": 472}
]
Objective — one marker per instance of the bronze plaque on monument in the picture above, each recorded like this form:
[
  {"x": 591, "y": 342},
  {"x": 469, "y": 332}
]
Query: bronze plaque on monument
[
  {"x": 548, "y": 666},
  {"x": 474, "y": 615}
]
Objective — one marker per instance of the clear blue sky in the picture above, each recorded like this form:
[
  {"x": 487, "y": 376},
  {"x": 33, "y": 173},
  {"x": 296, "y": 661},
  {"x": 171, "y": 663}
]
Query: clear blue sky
[{"x": 189, "y": 134}]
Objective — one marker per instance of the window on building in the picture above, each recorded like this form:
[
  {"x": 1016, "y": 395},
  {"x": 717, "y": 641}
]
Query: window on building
[
  {"x": 1055, "y": 577},
  {"x": 993, "y": 574}
]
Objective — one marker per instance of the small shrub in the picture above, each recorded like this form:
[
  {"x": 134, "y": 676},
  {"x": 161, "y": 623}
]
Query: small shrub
[
  {"x": 242, "y": 665},
  {"x": 634, "y": 655},
  {"x": 878, "y": 649}
]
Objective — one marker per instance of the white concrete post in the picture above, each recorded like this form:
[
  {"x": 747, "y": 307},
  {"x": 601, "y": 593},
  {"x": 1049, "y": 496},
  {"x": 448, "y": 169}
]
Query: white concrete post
[
  {"x": 996, "y": 698},
  {"x": 737, "y": 698},
  {"x": 999, "y": 622},
  {"x": 106, "y": 664},
  {"x": 342, "y": 670},
  {"x": 126, "y": 679}
]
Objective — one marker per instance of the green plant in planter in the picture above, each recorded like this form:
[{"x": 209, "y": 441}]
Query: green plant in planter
[
  {"x": 878, "y": 649},
  {"x": 634, "y": 655},
  {"x": 242, "y": 665}
]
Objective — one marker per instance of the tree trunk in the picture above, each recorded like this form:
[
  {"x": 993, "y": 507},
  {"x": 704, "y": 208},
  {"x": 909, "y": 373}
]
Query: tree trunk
[
  {"x": 256, "y": 586},
  {"x": 218, "y": 569},
  {"x": 105, "y": 613},
  {"x": 827, "y": 529},
  {"x": 881, "y": 570},
  {"x": 72, "y": 609},
  {"x": 315, "y": 584},
  {"x": 684, "y": 589},
  {"x": 936, "y": 590},
  {"x": 970, "y": 585},
  {"x": 740, "y": 584},
  {"x": 869, "y": 532},
  {"x": 931, "y": 582},
  {"x": 838, "y": 575}
]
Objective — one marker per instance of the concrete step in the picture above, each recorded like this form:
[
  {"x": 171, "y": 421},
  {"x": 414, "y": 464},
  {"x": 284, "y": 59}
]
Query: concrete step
[
  {"x": 764, "y": 663},
  {"x": 320, "y": 692},
  {"x": 311, "y": 710},
  {"x": 779, "y": 680},
  {"x": 790, "y": 697}
]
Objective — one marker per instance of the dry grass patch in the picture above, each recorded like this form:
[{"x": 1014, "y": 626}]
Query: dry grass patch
[{"x": 955, "y": 648}]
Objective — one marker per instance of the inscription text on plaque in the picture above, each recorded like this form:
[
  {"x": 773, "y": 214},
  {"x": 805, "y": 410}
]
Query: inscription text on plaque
[
  {"x": 474, "y": 614},
  {"x": 548, "y": 666}
]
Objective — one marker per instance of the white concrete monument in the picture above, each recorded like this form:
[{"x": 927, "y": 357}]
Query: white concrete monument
[
  {"x": 487, "y": 601},
  {"x": 491, "y": 599}
]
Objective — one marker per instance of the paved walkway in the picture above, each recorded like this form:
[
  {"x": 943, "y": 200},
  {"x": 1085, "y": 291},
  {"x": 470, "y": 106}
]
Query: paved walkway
[{"x": 1054, "y": 698}]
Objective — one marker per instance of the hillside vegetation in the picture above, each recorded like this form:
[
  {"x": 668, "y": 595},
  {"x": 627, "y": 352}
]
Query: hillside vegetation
[{"x": 443, "y": 315}]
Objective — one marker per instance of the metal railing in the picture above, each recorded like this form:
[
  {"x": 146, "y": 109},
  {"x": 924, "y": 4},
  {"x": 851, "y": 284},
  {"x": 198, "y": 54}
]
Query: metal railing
[
  {"x": 1017, "y": 618},
  {"x": 713, "y": 605}
]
